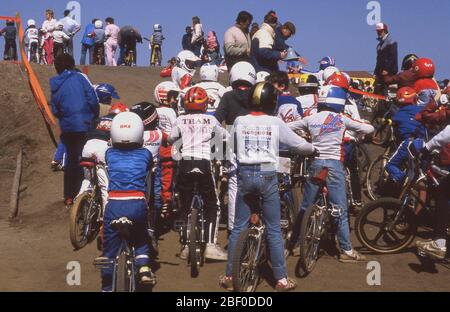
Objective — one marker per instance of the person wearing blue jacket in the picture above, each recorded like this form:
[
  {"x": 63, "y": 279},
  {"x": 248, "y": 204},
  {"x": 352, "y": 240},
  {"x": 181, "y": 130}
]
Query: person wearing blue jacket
[
  {"x": 407, "y": 129},
  {"x": 87, "y": 43},
  {"x": 75, "y": 104}
]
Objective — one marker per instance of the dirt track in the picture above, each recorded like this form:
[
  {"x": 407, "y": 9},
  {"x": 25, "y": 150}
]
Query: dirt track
[{"x": 36, "y": 249}]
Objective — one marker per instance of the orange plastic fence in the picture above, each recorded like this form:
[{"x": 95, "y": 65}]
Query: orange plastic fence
[{"x": 36, "y": 88}]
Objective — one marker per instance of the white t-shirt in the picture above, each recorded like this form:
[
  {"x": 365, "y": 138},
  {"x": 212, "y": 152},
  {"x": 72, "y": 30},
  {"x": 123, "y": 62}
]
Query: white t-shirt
[
  {"x": 196, "y": 132},
  {"x": 258, "y": 138}
]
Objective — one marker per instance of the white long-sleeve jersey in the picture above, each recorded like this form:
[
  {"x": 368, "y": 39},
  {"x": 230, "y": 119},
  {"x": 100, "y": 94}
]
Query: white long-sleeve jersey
[
  {"x": 327, "y": 132},
  {"x": 258, "y": 136},
  {"x": 440, "y": 140},
  {"x": 31, "y": 35},
  {"x": 215, "y": 92},
  {"x": 60, "y": 36},
  {"x": 167, "y": 118},
  {"x": 198, "y": 133}
]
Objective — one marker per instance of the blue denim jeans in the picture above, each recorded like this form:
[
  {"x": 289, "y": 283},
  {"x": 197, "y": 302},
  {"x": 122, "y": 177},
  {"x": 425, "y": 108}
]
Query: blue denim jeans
[
  {"x": 84, "y": 50},
  {"x": 252, "y": 180},
  {"x": 337, "y": 196}
]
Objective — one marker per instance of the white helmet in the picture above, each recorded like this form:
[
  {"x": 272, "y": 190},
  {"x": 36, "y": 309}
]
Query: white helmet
[
  {"x": 59, "y": 26},
  {"x": 163, "y": 89},
  {"x": 31, "y": 22},
  {"x": 261, "y": 76},
  {"x": 98, "y": 24},
  {"x": 127, "y": 129},
  {"x": 209, "y": 72},
  {"x": 328, "y": 72},
  {"x": 243, "y": 71},
  {"x": 186, "y": 59},
  {"x": 157, "y": 27}
]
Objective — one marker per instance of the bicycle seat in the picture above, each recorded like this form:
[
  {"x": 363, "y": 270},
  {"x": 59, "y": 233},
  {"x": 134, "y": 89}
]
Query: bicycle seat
[
  {"x": 321, "y": 178},
  {"x": 123, "y": 227},
  {"x": 88, "y": 162},
  {"x": 195, "y": 173}
]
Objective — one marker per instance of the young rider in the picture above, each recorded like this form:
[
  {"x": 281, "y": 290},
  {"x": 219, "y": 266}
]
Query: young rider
[
  {"x": 128, "y": 165},
  {"x": 156, "y": 40},
  {"x": 327, "y": 129},
  {"x": 257, "y": 137},
  {"x": 166, "y": 95},
  {"x": 196, "y": 131},
  {"x": 209, "y": 75}
]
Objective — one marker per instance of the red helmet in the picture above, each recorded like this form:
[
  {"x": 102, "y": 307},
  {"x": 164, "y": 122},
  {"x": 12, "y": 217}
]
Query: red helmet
[
  {"x": 118, "y": 108},
  {"x": 338, "y": 79},
  {"x": 406, "y": 95},
  {"x": 424, "y": 68},
  {"x": 196, "y": 99}
]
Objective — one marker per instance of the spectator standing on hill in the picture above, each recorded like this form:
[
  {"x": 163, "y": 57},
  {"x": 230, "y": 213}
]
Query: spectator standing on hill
[
  {"x": 237, "y": 40},
  {"x": 197, "y": 39},
  {"x": 75, "y": 104},
  {"x": 70, "y": 28},
  {"x": 187, "y": 38}
]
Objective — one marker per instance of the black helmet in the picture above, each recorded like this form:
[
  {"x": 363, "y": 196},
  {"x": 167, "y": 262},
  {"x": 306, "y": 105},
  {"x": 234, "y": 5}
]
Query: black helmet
[
  {"x": 147, "y": 112},
  {"x": 310, "y": 86},
  {"x": 9, "y": 23},
  {"x": 263, "y": 98},
  {"x": 408, "y": 61}
]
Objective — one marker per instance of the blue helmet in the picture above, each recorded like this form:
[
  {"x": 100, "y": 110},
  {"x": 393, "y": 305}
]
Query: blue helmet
[
  {"x": 333, "y": 98},
  {"x": 327, "y": 61},
  {"x": 105, "y": 93}
]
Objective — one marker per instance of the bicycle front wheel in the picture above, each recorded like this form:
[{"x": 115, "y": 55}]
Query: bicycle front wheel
[
  {"x": 383, "y": 227},
  {"x": 83, "y": 222},
  {"x": 245, "y": 269}
]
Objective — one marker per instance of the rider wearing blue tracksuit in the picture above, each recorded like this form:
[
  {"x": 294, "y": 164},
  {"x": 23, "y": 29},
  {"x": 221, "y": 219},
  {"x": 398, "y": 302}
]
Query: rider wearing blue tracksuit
[
  {"x": 407, "y": 128},
  {"x": 127, "y": 170}
]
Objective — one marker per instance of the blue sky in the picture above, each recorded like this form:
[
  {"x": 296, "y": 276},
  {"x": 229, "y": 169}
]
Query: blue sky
[{"x": 325, "y": 27}]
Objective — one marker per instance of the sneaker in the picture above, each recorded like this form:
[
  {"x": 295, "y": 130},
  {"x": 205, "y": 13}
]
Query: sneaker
[
  {"x": 353, "y": 258},
  {"x": 54, "y": 165},
  {"x": 146, "y": 276},
  {"x": 285, "y": 285},
  {"x": 184, "y": 252},
  {"x": 432, "y": 249},
  {"x": 226, "y": 283},
  {"x": 215, "y": 252}
]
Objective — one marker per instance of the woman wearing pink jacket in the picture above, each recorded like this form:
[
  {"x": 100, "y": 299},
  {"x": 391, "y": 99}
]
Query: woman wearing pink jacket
[{"x": 112, "y": 34}]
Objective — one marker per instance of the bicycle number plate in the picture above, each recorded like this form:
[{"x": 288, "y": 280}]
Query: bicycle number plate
[{"x": 284, "y": 165}]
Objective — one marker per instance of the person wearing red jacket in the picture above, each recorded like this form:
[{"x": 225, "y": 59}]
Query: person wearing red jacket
[{"x": 406, "y": 77}]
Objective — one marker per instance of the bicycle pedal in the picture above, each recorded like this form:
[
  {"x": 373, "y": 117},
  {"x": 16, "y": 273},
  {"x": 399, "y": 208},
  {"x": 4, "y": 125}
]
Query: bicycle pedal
[
  {"x": 102, "y": 262},
  {"x": 284, "y": 224}
]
